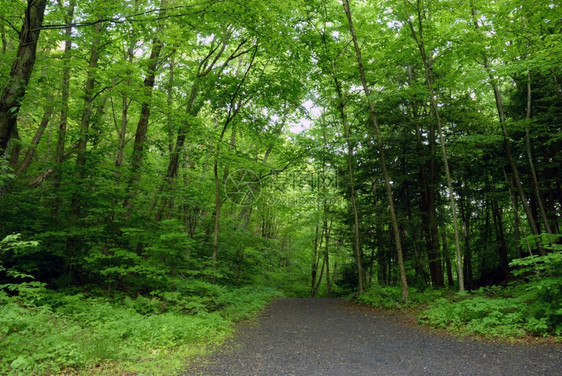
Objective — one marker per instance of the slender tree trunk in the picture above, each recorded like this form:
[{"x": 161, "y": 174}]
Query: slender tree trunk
[
  {"x": 356, "y": 230},
  {"x": 530, "y": 157},
  {"x": 465, "y": 215},
  {"x": 125, "y": 104},
  {"x": 218, "y": 207},
  {"x": 315, "y": 290},
  {"x": 15, "y": 148},
  {"x": 65, "y": 95},
  {"x": 85, "y": 123},
  {"x": 328, "y": 280},
  {"x": 206, "y": 66},
  {"x": 450, "y": 280},
  {"x": 13, "y": 93},
  {"x": 65, "y": 87},
  {"x": 429, "y": 216},
  {"x": 396, "y": 229},
  {"x": 314, "y": 266},
  {"x": 325, "y": 206},
  {"x": 502, "y": 249},
  {"x": 142, "y": 125},
  {"x": 507, "y": 145},
  {"x": 30, "y": 153},
  {"x": 517, "y": 224},
  {"x": 428, "y": 67},
  {"x": 3, "y": 39}
]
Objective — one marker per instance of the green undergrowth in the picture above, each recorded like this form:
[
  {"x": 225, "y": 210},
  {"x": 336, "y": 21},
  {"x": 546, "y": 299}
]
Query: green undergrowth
[
  {"x": 46, "y": 333},
  {"x": 531, "y": 305}
]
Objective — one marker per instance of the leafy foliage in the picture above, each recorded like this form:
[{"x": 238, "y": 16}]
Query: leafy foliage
[
  {"x": 524, "y": 307},
  {"x": 76, "y": 332}
]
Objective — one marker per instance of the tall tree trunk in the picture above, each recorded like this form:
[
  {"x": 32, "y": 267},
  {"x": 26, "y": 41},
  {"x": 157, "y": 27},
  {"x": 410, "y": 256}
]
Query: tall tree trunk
[
  {"x": 325, "y": 207},
  {"x": 65, "y": 95},
  {"x": 218, "y": 207},
  {"x": 428, "y": 68},
  {"x": 530, "y": 157},
  {"x": 356, "y": 230},
  {"x": 30, "y": 153},
  {"x": 85, "y": 124},
  {"x": 3, "y": 39},
  {"x": 429, "y": 215},
  {"x": 465, "y": 212},
  {"x": 500, "y": 234},
  {"x": 517, "y": 224},
  {"x": 125, "y": 104},
  {"x": 450, "y": 280},
  {"x": 314, "y": 265},
  {"x": 142, "y": 125},
  {"x": 327, "y": 255},
  {"x": 235, "y": 105},
  {"x": 22, "y": 67},
  {"x": 507, "y": 145},
  {"x": 206, "y": 66},
  {"x": 77, "y": 194},
  {"x": 15, "y": 148},
  {"x": 396, "y": 229}
]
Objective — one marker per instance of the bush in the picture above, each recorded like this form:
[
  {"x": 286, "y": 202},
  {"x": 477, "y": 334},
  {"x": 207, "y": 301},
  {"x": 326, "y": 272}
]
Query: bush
[
  {"x": 532, "y": 306},
  {"x": 391, "y": 297}
]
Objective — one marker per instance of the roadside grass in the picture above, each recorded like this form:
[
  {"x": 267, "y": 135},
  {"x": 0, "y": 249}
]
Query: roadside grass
[
  {"x": 60, "y": 334},
  {"x": 530, "y": 306}
]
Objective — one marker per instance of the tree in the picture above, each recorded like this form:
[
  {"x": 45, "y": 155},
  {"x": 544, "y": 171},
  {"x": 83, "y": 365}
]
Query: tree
[
  {"x": 22, "y": 67},
  {"x": 418, "y": 36},
  {"x": 390, "y": 198}
]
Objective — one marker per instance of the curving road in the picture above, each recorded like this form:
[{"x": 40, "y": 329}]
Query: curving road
[{"x": 329, "y": 337}]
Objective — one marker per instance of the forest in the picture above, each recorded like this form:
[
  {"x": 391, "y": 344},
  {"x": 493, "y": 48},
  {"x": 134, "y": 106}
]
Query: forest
[{"x": 167, "y": 167}]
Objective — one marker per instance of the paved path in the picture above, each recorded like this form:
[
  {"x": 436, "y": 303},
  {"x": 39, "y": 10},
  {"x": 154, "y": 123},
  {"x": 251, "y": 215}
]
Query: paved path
[{"x": 329, "y": 337}]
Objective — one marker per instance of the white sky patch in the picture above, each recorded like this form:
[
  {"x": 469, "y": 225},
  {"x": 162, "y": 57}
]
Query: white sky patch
[
  {"x": 313, "y": 112},
  {"x": 206, "y": 40}
]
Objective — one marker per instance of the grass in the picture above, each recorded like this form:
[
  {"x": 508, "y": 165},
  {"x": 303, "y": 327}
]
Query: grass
[
  {"x": 529, "y": 306},
  {"x": 60, "y": 334},
  {"x": 520, "y": 310}
]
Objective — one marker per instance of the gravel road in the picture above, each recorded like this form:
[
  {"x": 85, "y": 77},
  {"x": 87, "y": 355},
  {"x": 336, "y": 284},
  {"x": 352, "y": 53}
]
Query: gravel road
[{"x": 329, "y": 337}]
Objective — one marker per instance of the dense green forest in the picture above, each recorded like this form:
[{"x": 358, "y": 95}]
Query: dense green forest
[{"x": 169, "y": 166}]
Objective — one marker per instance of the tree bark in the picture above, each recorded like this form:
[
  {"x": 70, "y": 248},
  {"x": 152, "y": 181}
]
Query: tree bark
[
  {"x": 85, "y": 123},
  {"x": 530, "y": 157},
  {"x": 15, "y": 148},
  {"x": 30, "y": 153},
  {"x": 428, "y": 68},
  {"x": 450, "y": 280},
  {"x": 394, "y": 220},
  {"x": 356, "y": 230},
  {"x": 20, "y": 73},
  {"x": 65, "y": 95},
  {"x": 142, "y": 125},
  {"x": 3, "y": 39},
  {"x": 500, "y": 235},
  {"x": 507, "y": 145},
  {"x": 429, "y": 215},
  {"x": 125, "y": 104},
  {"x": 465, "y": 212}
]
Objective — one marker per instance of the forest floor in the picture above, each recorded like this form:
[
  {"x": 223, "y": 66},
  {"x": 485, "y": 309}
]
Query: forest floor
[{"x": 331, "y": 337}]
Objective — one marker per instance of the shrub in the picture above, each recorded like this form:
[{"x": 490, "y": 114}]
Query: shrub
[{"x": 532, "y": 306}]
